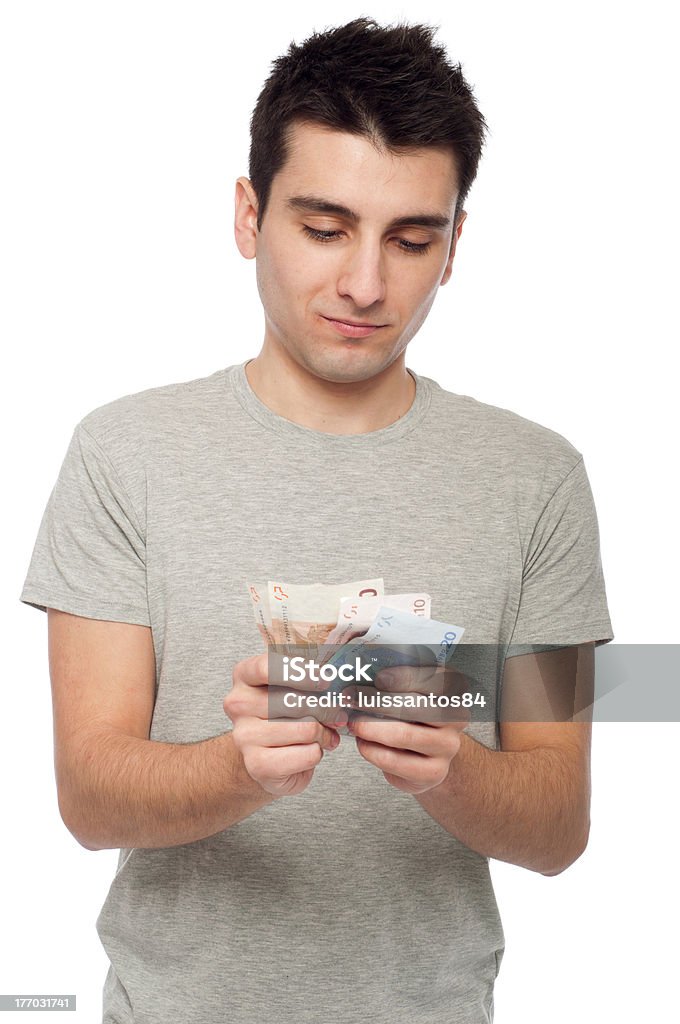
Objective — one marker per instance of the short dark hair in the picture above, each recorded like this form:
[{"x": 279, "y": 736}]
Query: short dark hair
[{"x": 390, "y": 83}]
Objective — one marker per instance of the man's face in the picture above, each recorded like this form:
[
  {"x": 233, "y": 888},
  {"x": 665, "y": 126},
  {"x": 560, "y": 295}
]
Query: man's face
[{"x": 317, "y": 266}]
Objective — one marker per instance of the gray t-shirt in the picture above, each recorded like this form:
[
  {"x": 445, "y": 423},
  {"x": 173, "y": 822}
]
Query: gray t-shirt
[{"x": 348, "y": 901}]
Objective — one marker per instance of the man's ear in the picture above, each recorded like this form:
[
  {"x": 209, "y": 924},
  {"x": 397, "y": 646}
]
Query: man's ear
[
  {"x": 454, "y": 239},
  {"x": 245, "y": 218}
]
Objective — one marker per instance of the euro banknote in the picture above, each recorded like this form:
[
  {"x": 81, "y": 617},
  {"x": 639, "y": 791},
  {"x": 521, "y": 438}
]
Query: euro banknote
[
  {"x": 293, "y": 613},
  {"x": 340, "y": 617},
  {"x": 397, "y": 637},
  {"x": 357, "y": 614}
]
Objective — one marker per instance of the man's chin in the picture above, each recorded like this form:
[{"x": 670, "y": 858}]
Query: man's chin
[{"x": 348, "y": 367}]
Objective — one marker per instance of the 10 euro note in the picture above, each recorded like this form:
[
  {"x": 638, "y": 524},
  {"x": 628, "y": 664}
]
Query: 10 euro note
[{"x": 357, "y": 614}]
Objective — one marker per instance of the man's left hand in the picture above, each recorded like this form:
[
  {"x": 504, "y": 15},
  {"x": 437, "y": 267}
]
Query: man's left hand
[{"x": 413, "y": 755}]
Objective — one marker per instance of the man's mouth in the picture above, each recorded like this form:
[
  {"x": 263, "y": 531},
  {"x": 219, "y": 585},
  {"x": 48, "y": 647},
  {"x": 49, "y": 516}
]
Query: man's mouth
[{"x": 352, "y": 328}]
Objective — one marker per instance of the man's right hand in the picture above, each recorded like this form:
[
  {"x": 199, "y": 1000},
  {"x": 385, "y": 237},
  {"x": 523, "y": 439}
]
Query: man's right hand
[{"x": 278, "y": 753}]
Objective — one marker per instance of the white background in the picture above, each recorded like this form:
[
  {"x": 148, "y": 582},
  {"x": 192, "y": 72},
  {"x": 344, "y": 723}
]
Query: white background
[{"x": 124, "y": 127}]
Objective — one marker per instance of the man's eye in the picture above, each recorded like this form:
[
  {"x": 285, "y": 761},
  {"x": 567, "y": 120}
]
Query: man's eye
[
  {"x": 322, "y": 236},
  {"x": 415, "y": 247},
  {"x": 327, "y": 236}
]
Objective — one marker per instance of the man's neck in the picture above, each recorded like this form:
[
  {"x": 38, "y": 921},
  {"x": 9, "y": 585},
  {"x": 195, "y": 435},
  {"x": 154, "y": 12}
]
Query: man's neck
[{"x": 358, "y": 407}]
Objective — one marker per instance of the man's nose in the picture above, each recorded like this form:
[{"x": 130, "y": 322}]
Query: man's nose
[{"x": 362, "y": 275}]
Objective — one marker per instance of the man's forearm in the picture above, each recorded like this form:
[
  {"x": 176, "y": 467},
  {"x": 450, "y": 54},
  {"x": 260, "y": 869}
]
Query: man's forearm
[
  {"x": 129, "y": 792},
  {"x": 524, "y": 807}
]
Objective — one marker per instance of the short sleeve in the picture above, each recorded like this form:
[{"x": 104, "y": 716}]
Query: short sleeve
[
  {"x": 89, "y": 554},
  {"x": 563, "y": 599}
]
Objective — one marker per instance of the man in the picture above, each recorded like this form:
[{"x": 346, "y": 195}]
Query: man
[{"x": 270, "y": 870}]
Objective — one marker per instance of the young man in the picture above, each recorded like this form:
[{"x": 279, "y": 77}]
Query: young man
[{"x": 268, "y": 870}]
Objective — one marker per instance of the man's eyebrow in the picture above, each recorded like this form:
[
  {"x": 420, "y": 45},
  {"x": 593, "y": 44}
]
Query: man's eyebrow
[{"x": 315, "y": 204}]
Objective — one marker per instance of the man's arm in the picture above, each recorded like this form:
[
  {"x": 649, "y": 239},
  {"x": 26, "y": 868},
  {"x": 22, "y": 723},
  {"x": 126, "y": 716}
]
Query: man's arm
[
  {"x": 528, "y": 803},
  {"x": 116, "y": 787},
  {"x": 528, "y": 806}
]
